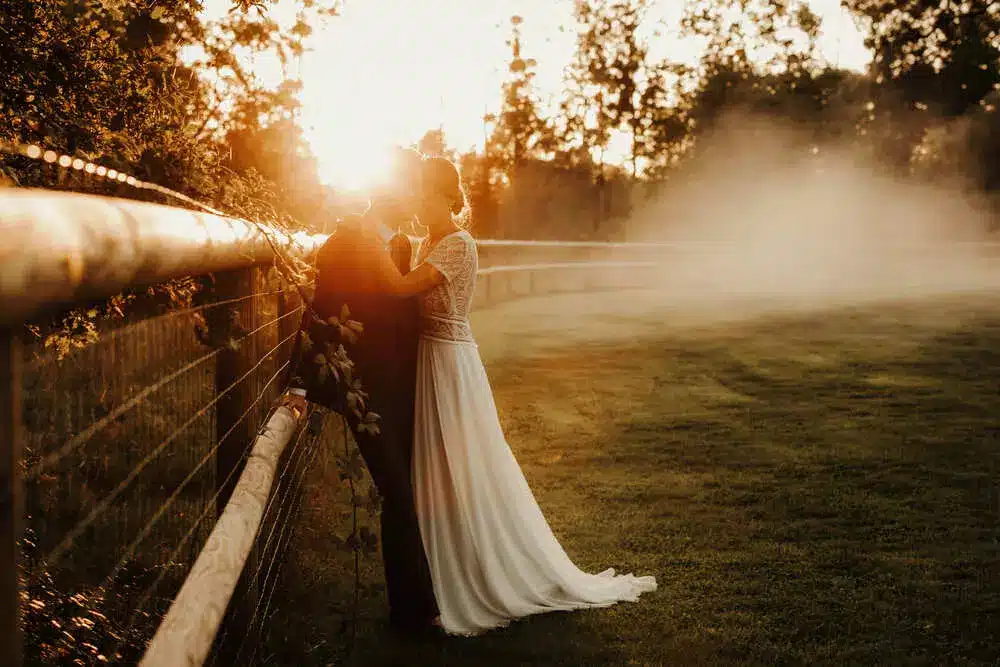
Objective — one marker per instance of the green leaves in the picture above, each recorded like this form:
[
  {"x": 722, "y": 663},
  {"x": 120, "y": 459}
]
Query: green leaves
[
  {"x": 519, "y": 131},
  {"x": 220, "y": 329},
  {"x": 352, "y": 466},
  {"x": 369, "y": 423},
  {"x": 346, "y": 328},
  {"x": 362, "y": 540},
  {"x": 354, "y": 402},
  {"x": 336, "y": 363},
  {"x": 352, "y": 542}
]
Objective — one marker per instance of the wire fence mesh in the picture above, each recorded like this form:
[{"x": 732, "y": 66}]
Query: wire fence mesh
[{"x": 131, "y": 444}]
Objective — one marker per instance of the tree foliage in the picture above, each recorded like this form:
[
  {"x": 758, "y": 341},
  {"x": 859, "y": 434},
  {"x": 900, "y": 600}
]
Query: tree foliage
[
  {"x": 519, "y": 131},
  {"x": 104, "y": 81},
  {"x": 113, "y": 82}
]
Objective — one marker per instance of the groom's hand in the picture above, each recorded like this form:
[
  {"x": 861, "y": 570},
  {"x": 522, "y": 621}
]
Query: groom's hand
[{"x": 295, "y": 402}]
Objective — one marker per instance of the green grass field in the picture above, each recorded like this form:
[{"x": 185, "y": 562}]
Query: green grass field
[{"x": 811, "y": 488}]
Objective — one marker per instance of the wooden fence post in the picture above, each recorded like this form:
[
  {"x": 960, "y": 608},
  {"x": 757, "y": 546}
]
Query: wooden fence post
[
  {"x": 231, "y": 365},
  {"x": 231, "y": 417},
  {"x": 11, "y": 499},
  {"x": 288, "y": 301}
]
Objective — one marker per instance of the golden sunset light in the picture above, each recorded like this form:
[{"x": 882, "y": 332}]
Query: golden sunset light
[
  {"x": 384, "y": 72},
  {"x": 471, "y": 332}
]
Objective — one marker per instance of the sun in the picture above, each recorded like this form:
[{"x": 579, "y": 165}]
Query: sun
[{"x": 354, "y": 164}]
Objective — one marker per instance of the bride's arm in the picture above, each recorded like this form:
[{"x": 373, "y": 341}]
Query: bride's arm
[{"x": 421, "y": 279}]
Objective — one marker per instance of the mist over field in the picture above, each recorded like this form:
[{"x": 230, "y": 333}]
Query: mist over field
[{"x": 763, "y": 214}]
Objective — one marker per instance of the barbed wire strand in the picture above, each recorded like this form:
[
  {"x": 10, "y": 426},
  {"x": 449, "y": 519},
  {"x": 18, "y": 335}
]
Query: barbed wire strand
[
  {"x": 210, "y": 507},
  {"x": 267, "y": 324},
  {"x": 226, "y": 302},
  {"x": 129, "y": 329},
  {"x": 267, "y": 510},
  {"x": 37, "y": 153},
  {"x": 283, "y": 486},
  {"x": 293, "y": 526},
  {"x": 85, "y": 435}
]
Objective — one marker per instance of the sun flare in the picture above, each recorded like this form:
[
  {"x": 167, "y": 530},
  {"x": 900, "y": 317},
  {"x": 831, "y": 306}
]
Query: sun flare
[
  {"x": 356, "y": 164},
  {"x": 384, "y": 72}
]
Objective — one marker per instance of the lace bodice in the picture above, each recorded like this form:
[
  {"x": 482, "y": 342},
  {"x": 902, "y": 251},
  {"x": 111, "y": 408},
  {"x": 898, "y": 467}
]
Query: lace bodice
[{"x": 444, "y": 310}]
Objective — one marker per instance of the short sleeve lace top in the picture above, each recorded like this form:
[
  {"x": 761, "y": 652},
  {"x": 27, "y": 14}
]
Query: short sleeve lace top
[{"x": 444, "y": 309}]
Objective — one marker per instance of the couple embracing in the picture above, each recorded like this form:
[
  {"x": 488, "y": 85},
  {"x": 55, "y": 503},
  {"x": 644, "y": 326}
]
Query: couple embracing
[{"x": 465, "y": 546}]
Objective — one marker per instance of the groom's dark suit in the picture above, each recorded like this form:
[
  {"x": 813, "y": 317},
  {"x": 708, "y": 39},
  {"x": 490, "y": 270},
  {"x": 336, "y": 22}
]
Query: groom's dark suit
[{"x": 385, "y": 357}]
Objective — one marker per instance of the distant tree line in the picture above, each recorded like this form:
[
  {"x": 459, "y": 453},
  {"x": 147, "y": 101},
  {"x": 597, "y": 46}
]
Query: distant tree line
[
  {"x": 926, "y": 107},
  {"x": 106, "y": 81}
]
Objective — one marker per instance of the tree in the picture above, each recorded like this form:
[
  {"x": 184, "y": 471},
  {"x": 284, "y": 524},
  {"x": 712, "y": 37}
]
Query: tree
[
  {"x": 518, "y": 131},
  {"x": 944, "y": 54},
  {"x": 477, "y": 172},
  {"x": 763, "y": 60},
  {"x": 611, "y": 86},
  {"x": 279, "y": 154},
  {"x": 633, "y": 89},
  {"x": 107, "y": 82},
  {"x": 591, "y": 91},
  {"x": 103, "y": 81},
  {"x": 932, "y": 60}
]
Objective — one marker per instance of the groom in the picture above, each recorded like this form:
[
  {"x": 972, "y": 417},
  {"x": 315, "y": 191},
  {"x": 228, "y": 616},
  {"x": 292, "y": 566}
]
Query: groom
[{"x": 385, "y": 361}]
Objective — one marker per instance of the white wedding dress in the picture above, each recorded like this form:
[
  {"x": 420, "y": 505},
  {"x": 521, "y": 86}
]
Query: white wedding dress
[{"x": 492, "y": 555}]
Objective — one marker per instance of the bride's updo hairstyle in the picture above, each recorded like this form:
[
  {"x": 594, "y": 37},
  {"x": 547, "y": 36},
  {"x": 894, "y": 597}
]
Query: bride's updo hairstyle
[{"x": 441, "y": 175}]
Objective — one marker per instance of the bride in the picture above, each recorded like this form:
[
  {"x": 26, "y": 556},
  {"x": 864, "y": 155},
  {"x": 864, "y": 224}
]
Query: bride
[{"x": 492, "y": 556}]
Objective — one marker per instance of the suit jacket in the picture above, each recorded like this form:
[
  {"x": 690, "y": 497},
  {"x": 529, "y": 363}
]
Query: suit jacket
[{"x": 385, "y": 352}]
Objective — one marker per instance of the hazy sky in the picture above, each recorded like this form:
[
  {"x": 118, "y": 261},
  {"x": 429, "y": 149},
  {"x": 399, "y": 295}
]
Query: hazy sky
[{"x": 386, "y": 71}]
